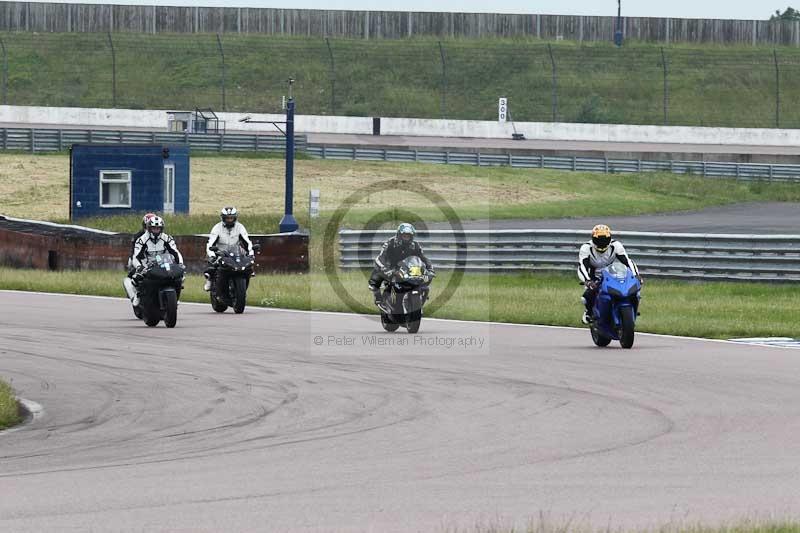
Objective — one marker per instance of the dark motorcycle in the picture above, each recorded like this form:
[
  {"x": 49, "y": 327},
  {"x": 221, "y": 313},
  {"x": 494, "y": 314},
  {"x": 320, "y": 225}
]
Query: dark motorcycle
[
  {"x": 160, "y": 285},
  {"x": 232, "y": 278},
  {"x": 406, "y": 294}
]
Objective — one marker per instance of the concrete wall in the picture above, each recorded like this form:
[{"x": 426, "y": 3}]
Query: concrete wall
[
  {"x": 154, "y": 119},
  {"x": 49, "y": 246}
]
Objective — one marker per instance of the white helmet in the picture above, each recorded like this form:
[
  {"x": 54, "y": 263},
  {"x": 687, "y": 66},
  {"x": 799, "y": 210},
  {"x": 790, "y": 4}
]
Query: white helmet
[
  {"x": 155, "y": 226},
  {"x": 229, "y": 215}
]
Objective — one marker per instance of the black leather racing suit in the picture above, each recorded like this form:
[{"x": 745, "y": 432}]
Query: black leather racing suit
[{"x": 393, "y": 251}]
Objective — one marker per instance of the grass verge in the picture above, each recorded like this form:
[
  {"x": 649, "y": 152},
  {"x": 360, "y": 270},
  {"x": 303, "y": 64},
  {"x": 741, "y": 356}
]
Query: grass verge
[
  {"x": 9, "y": 411},
  {"x": 712, "y": 310}
]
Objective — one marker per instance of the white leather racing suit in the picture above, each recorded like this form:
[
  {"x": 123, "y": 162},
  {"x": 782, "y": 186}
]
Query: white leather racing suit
[
  {"x": 590, "y": 260},
  {"x": 146, "y": 248},
  {"x": 222, "y": 235}
]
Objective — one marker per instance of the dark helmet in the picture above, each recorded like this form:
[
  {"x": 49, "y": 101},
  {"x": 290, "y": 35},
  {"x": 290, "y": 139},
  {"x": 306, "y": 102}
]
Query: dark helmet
[
  {"x": 601, "y": 237},
  {"x": 145, "y": 218},
  {"x": 155, "y": 226},
  {"x": 229, "y": 216},
  {"x": 405, "y": 229}
]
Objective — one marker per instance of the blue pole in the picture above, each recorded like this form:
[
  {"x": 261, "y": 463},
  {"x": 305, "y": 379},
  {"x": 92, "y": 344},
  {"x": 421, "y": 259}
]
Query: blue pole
[{"x": 288, "y": 222}]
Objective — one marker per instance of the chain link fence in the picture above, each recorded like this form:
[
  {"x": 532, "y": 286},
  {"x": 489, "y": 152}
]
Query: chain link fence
[{"x": 455, "y": 79}]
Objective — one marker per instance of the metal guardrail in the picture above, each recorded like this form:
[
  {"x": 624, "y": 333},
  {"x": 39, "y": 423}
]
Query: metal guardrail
[
  {"x": 50, "y": 140},
  {"x": 742, "y": 171},
  {"x": 674, "y": 255}
]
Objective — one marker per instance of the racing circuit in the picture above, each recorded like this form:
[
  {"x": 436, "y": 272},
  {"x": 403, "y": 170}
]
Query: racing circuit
[{"x": 283, "y": 420}]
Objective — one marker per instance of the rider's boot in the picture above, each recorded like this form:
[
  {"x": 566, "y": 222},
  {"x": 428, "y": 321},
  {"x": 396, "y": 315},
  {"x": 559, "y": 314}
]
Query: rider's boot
[
  {"x": 376, "y": 293},
  {"x": 587, "y": 313},
  {"x": 207, "y": 285},
  {"x": 130, "y": 289}
]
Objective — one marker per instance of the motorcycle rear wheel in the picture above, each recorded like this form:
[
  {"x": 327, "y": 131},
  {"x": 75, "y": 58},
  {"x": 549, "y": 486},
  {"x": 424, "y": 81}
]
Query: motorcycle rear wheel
[
  {"x": 387, "y": 324},
  {"x": 217, "y": 305},
  {"x": 598, "y": 338}
]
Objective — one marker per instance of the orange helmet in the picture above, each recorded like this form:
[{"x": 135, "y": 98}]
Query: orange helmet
[{"x": 601, "y": 237}]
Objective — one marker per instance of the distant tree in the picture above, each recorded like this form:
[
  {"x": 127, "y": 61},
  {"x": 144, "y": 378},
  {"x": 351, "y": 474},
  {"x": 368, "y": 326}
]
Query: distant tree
[{"x": 789, "y": 14}]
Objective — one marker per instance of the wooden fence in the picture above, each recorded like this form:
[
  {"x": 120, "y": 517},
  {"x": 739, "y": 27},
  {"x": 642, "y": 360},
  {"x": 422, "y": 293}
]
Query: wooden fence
[{"x": 96, "y": 18}]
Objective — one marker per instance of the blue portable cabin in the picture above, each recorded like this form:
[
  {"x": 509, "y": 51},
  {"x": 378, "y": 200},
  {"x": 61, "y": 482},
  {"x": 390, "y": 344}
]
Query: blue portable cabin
[{"x": 118, "y": 179}]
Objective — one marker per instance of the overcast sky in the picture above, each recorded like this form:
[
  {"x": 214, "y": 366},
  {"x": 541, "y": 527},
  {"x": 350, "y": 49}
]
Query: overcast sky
[{"x": 729, "y": 9}]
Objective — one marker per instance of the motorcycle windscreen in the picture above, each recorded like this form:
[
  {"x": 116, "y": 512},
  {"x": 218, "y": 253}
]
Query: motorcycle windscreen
[
  {"x": 168, "y": 268},
  {"x": 234, "y": 249},
  {"x": 412, "y": 266},
  {"x": 617, "y": 270}
]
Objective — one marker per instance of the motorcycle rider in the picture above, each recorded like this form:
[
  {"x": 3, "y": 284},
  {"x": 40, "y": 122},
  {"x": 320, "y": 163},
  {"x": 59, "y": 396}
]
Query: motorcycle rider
[
  {"x": 595, "y": 255},
  {"x": 152, "y": 243},
  {"x": 397, "y": 248},
  {"x": 127, "y": 282},
  {"x": 228, "y": 231}
]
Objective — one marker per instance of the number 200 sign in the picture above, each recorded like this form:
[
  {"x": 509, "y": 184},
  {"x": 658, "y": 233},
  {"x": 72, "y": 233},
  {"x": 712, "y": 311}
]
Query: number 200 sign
[{"x": 502, "y": 109}]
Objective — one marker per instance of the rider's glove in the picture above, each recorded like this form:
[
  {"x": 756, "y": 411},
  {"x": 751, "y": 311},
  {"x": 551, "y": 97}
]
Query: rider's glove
[
  {"x": 431, "y": 272},
  {"x": 591, "y": 284},
  {"x": 641, "y": 281},
  {"x": 388, "y": 273}
]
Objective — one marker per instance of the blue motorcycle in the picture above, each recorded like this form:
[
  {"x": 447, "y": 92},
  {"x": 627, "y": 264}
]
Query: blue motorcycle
[{"x": 616, "y": 306}]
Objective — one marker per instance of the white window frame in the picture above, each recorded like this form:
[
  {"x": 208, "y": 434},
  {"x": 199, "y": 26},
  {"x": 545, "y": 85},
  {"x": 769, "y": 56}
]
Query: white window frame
[
  {"x": 104, "y": 180},
  {"x": 167, "y": 168}
]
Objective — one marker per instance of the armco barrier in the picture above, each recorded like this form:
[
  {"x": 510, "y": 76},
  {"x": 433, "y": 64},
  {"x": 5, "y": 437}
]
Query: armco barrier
[
  {"x": 48, "y": 246},
  {"x": 677, "y": 255},
  {"x": 742, "y": 171},
  {"x": 52, "y": 140}
]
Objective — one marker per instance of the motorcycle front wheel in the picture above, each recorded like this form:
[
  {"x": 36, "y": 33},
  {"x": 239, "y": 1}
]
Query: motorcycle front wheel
[
  {"x": 414, "y": 320},
  {"x": 170, "y": 309},
  {"x": 240, "y": 295},
  {"x": 628, "y": 327}
]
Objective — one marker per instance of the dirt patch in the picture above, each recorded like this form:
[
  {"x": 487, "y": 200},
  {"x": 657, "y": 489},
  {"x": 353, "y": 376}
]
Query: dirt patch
[
  {"x": 258, "y": 184},
  {"x": 37, "y": 187}
]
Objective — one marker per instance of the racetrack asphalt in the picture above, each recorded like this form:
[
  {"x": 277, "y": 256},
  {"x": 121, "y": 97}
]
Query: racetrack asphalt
[
  {"x": 292, "y": 421},
  {"x": 764, "y": 218}
]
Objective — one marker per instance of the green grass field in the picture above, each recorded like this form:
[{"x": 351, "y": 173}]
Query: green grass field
[
  {"x": 595, "y": 82},
  {"x": 712, "y": 310},
  {"x": 9, "y": 412}
]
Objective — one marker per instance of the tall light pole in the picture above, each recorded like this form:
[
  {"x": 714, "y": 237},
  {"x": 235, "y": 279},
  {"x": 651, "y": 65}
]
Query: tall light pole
[
  {"x": 618, "y": 31},
  {"x": 288, "y": 222}
]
